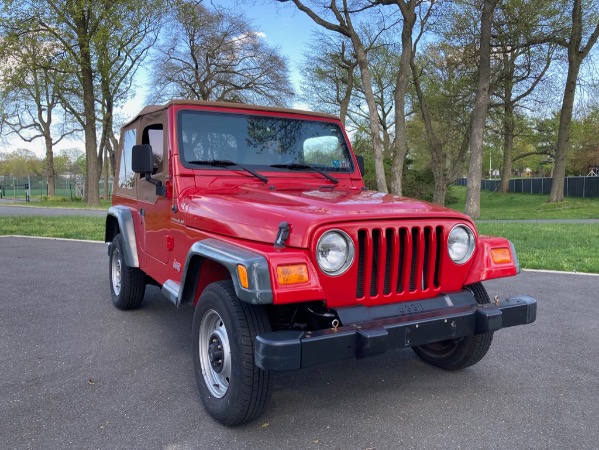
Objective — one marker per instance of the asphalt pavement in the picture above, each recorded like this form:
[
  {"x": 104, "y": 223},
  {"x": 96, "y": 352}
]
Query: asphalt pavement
[{"x": 76, "y": 373}]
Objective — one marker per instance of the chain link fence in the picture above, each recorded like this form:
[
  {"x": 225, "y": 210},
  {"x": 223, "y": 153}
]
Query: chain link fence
[
  {"x": 586, "y": 187},
  {"x": 36, "y": 188}
]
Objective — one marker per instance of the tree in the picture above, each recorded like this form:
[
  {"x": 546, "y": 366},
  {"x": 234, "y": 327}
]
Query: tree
[
  {"x": 443, "y": 83},
  {"x": 69, "y": 161},
  {"x": 28, "y": 92},
  {"x": 525, "y": 56},
  {"x": 330, "y": 67},
  {"x": 383, "y": 62},
  {"x": 577, "y": 52},
  {"x": 344, "y": 26},
  {"x": 81, "y": 28},
  {"x": 20, "y": 163},
  {"x": 212, "y": 54},
  {"x": 584, "y": 145},
  {"x": 479, "y": 113},
  {"x": 408, "y": 9}
]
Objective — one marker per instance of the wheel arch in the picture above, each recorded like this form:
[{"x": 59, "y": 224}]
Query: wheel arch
[
  {"x": 120, "y": 220},
  {"x": 211, "y": 253}
]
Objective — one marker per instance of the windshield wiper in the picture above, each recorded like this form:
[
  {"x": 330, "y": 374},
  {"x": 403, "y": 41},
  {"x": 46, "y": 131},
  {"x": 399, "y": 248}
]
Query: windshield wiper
[
  {"x": 297, "y": 166},
  {"x": 227, "y": 163}
]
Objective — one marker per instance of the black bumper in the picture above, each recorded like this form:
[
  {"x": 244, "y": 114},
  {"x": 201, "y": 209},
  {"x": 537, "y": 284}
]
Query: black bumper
[{"x": 372, "y": 331}]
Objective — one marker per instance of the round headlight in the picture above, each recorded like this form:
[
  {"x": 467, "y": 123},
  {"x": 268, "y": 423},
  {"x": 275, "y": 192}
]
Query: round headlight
[
  {"x": 460, "y": 244},
  {"x": 334, "y": 252}
]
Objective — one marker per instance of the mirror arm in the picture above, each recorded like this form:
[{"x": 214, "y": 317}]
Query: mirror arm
[{"x": 160, "y": 187}]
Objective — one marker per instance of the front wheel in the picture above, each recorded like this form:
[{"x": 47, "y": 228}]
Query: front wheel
[
  {"x": 461, "y": 353},
  {"x": 127, "y": 284},
  {"x": 233, "y": 389}
]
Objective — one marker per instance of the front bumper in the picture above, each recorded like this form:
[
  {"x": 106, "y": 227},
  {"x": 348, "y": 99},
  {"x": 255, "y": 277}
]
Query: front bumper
[{"x": 372, "y": 331}]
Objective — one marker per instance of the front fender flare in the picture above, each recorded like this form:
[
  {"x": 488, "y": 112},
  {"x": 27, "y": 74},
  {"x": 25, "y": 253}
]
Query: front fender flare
[{"x": 259, "y": 291}]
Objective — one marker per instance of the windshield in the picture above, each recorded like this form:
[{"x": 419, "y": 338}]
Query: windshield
[{"x": 267, "y": 143}]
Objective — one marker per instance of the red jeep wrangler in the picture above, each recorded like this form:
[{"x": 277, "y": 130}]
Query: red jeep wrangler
[{"x": 259, "y": 218}]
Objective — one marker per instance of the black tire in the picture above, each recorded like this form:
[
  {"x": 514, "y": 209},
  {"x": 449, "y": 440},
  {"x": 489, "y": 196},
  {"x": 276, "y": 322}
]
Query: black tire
[
  {"x": 461, "y": 353},
  {"x": 233, "y": 389},
  {"x": 127, "y": 284}
]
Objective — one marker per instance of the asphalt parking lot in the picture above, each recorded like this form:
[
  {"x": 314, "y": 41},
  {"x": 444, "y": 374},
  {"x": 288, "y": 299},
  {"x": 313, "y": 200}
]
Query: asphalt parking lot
[{"x": 78, "y": 373}]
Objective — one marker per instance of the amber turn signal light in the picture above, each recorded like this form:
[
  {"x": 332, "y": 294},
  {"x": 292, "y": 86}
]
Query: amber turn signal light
[
  {"x": 501, "y": 255},
  {"x": 292, "y": 274},
  {"x": 242, "y": 272}
]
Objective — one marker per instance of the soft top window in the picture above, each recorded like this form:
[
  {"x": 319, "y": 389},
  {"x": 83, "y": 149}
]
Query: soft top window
[{"x": 261, "y": 141}]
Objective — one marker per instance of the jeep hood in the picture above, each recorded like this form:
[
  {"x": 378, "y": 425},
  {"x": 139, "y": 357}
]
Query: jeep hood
[{"x": 255, "y": 213}]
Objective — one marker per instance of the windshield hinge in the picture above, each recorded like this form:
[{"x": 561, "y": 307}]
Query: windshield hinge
[{"x": 282, "y": 235}]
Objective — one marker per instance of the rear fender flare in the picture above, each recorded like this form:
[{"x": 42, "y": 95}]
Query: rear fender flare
[{"x": 124, "y": 218}]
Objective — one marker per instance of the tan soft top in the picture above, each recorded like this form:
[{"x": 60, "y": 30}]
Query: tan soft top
[{"x": 227, "y": 105}]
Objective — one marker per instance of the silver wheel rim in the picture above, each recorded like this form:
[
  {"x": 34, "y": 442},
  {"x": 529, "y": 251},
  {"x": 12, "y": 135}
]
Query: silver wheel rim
[
  {"x": 116, "y": 271},
  {"x": 215, "y": 354}
]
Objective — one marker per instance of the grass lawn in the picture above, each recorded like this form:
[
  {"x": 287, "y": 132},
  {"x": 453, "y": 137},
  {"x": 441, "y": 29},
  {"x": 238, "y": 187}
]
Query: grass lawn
[
  {"x": 551, "y": 246},
  {"x": 496, "y": 206},
  {"x": 68, "y": 227}
]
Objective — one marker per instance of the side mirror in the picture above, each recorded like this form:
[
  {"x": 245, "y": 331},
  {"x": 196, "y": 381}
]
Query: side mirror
[
  {"x": 360, "y": 160},
  {"x": 142, "y": 162},
  {"x": 141, "y": 159}
]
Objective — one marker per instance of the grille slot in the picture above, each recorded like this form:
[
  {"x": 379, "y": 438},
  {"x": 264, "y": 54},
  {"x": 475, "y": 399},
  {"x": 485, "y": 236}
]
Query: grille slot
[{"x": 398, "y": 260}]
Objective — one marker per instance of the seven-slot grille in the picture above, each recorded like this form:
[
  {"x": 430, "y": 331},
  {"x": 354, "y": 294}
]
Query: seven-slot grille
[{"x": 398, "y": 260}]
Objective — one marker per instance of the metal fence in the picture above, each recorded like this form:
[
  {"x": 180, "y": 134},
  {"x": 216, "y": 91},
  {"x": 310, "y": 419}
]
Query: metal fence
[
  {"x": 28, "y": 188},
  {"x": 586, "y": 187}
]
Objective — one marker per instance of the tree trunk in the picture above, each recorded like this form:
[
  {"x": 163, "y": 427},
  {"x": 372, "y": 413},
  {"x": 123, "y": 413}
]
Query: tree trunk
[
  {"x": 436, "y": 147},
  {"x": 112, "y": 151},
  {"x": 576, "y": 55},
  {"x": 400, "y": 144},
  {"x": 344, "y": 102},
  {"x": 379, "y": 167},
  {"x": 50, "y": 174},
  {"x": 437, "y": 161},
  {"x": 105, "y": 171},
  {"x": 508, "y": 144},
  {"x": 92, "y": 176},
  {"x": 345, "y": 28},
  {"x": 439, "y": 193},
  {"x": 563, "y": 135},
  {"x": 479, "y": 114}
]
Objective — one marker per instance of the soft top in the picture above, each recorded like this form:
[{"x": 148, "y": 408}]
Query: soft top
[{"x": 227, "y": 105}]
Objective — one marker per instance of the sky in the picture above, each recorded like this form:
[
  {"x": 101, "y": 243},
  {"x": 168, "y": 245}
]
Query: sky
[{"x": 283, "y": 26}]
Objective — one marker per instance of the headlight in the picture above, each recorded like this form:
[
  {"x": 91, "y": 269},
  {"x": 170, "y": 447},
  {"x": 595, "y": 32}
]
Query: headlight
[
  {"x": 460, "y": 244},
  {"x": 334, "y": 252}
]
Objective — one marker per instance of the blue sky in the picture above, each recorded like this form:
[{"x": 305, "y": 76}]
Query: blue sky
[{"x": 285, "y": 27}]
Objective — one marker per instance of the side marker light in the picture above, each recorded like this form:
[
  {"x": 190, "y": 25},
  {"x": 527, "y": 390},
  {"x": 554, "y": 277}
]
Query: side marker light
[{"x": 242, "y": 273}]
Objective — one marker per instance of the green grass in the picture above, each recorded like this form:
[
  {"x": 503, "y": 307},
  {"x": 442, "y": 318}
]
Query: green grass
[
  {"x": 68, "y": 227},
  {"x": 497, "y": 206},
  {"x": 551, "y": 246}
]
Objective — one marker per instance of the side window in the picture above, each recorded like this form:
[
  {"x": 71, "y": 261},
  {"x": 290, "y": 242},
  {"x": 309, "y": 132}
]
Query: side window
[
  {"x": 154, "y": 135},
  {"x": 126, "y": 175}
]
